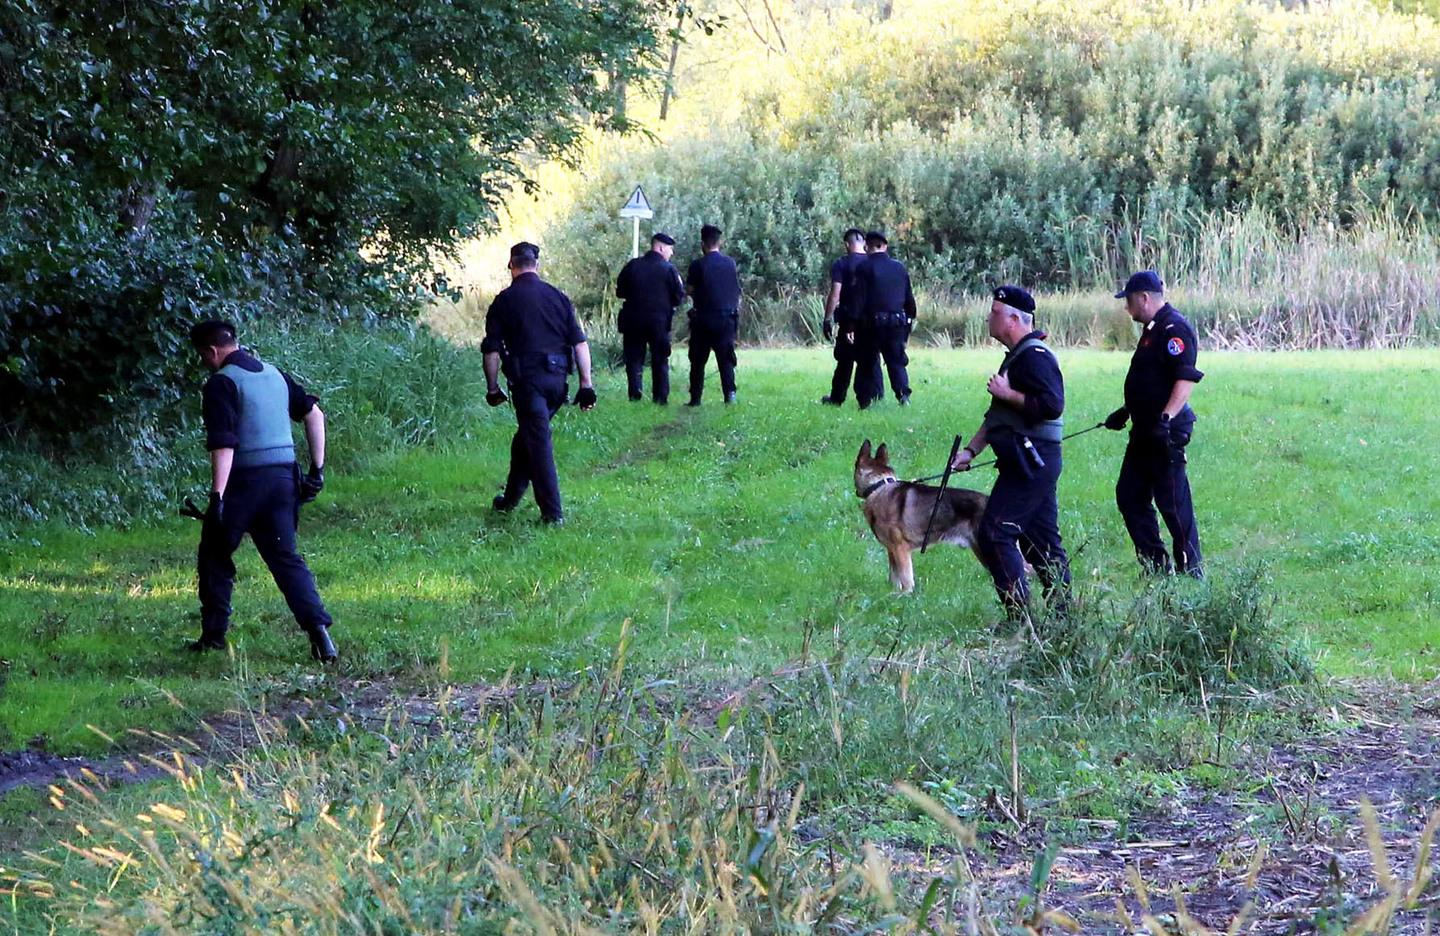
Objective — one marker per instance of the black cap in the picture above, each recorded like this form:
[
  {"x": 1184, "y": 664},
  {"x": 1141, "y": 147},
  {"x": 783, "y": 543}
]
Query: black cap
[
  {"x": 1016, "y": 298},
  {"x": 876, "y": 237},
  {"x": 660, "y": 237},
  {"x": 524, "y": 253},
  {"x": 1144, "y": 281}
]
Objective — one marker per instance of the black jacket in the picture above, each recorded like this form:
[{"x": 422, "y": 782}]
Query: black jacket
[{"x": 651, "y": 289}]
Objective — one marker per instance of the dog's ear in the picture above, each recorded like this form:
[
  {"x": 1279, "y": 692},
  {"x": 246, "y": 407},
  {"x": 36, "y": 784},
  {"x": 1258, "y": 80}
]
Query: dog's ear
[
  {"x": 864, "y": 450},
  {"x": 882, "y": 454}
]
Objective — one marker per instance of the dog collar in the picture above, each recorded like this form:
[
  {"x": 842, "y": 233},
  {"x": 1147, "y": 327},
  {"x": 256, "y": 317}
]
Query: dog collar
[{"x": 877, "y": 486}]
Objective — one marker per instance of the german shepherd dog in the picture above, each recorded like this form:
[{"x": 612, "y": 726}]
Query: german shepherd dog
[{"x": 898, "y": 511}]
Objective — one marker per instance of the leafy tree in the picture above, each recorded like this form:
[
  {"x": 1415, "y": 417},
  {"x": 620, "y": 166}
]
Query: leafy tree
[{"x": 166, "y": 159}]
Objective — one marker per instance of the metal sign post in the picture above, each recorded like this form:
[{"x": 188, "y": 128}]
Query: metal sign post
[{"x": 636, "y": 208}]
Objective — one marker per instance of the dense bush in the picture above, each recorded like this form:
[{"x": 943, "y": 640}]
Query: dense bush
[
  {"x": 163, "y": 162},
  {"x": 1060, "y": 144}
]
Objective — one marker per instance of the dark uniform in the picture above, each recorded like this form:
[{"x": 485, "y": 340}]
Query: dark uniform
[
  {"x": 715, "y": 288},
  {"x": 651, "y": 289},
  {"x": 532, "y": 326},
  {"x": 248, "y": 406},
  {"x": 1154, "y": 467},
  {"x": 847, "y": 323},
  {"x": 1021, "y": 522},
  {"x": 885, "y": 306}
]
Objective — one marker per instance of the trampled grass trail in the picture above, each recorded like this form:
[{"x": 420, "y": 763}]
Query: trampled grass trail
[{"x": 726, "y": 533}]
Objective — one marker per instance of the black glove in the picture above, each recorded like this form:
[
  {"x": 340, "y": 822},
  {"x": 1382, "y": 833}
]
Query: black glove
[
  {"x": 214, "y": 509},
  {"x": 827, "y": 328},
  {"x": 1161, "y": 431},
  {"x": 585, "y": 397},
  {"x": 1117, "y": 420},
  {"x": 496, "y": 397},
  {"x": 312, "y": 484}
]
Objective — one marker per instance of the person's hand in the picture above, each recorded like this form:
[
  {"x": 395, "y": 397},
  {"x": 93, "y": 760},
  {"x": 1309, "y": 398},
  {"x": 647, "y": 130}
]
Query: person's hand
[
  {"x": 1116, "y": 420},
  {"x": 585, "y": 398},
  {"x": 1160, "y": 432},
  {"x": 496, "y": 397},
  {"x": 850, "y": 337},
  {"x": 215, "y": 508},
  {"x": 962, "y": 460},
  {"x": 827, "y": 328},
  {"x": 999, "y": 387},
  {"x": 312, "y": 484}
]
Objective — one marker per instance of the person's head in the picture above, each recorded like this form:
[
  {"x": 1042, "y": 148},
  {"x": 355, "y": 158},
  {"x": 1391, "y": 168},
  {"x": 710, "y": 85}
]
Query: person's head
[
  {"x": 663, "y": 244},
  {"x": 214, "y": 341},
  {"x": 1012, "y": 315},
  {"x": 710, "y": 237},
  {"x": 876, "y": 242},
  {"x": 1144, "y": 294},
  {"x": 854, "y": 240},
  {"x": 524, "y": 258}
]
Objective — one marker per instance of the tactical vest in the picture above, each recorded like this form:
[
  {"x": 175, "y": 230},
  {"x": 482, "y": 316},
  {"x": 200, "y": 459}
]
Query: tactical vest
[
  {"x": 1003, "y": 417},
  {"x": 263, "y": 434}
]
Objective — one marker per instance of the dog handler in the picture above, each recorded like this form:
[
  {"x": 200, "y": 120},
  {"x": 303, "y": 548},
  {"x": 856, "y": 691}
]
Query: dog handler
[
  {"x": 1023, "y": 425},
  {"x": 1157, "y": 404}
]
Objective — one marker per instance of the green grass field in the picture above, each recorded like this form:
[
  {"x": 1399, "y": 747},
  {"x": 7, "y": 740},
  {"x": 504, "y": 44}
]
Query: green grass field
[{"x": 726, "y": 533}]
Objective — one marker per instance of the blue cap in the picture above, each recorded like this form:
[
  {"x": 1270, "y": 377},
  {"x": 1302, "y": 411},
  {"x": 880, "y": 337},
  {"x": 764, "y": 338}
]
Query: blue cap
[
  {"x": 1015, "y": 298},
  {"x": 1144, "y": 281}
]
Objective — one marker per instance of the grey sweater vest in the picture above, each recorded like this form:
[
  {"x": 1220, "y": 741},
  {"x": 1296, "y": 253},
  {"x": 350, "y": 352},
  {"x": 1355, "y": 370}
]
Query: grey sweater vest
[
  {"x": 264, "y": 429},
  {"x": 1001, "y": 417}
]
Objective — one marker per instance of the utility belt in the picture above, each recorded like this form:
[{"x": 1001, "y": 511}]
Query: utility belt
[
  {"x": 891, "y": 319},
  {"x": 519, "y": 367}
]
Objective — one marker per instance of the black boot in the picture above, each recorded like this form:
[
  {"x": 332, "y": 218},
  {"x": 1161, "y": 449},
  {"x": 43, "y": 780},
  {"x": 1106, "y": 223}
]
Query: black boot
[
  {"x": 501, "y": 505},
  {"x": 211, "y": 641},
  {"x": 322, "y": 648},
  {"x": 730, "y": 397}
]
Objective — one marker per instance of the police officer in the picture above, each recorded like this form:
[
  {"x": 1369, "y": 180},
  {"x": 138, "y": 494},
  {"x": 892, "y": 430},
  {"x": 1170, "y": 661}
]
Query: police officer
[
  {"x": 255, "y": 484},
  {"x": 840, "y": 318},
  {"x": 532, "y": 328},
  {"x": 651, "y": 289},
  {"x": 1157, "y": 404},
  {"x": 885, "y": 305},
  {"x": 714, "y": 285},
  {"x": 1024, "y": 426}
]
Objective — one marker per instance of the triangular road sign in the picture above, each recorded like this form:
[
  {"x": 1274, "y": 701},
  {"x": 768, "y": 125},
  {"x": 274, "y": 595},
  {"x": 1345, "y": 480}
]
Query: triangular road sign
[{"x": 638, "y": 206}]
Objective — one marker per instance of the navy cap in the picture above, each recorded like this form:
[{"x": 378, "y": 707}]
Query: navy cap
[
  {"x": 1016, "y": 298},
  {"x": 876, "y": 237},
  {"x": 1144, "y": 281},
  {"x": 525, "y": 252},
  {"x": 662, "y": 238}
]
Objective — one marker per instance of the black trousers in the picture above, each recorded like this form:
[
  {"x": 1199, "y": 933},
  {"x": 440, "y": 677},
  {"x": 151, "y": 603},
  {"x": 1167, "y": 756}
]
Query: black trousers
[
  {"x": 713, "y": 332},
  {"x": 846, "y": 356},
  {"x": 532, "y": 451},
  {"x": 654, "y": 337},
  {"x": 1152, "y": 473},
  {"x": 1021, "y": 524},
  {"x": 263, "y": 502},
  {"x": 887, "y": 342}
]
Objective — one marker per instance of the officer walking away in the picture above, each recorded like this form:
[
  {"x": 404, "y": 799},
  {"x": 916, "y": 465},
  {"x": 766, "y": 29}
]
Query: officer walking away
[
  {"x": 651, "y": 289},
  {"x": 255, "y": 484},
  {"x": 1024, "y": 426},
  {"x": 841, "y": 322},
  {"x": 714, "y": 285},
  {"x": 531, "y": 327},
  {"x": 1157, "y": 404},
  {"x": 885, "y": 305}
]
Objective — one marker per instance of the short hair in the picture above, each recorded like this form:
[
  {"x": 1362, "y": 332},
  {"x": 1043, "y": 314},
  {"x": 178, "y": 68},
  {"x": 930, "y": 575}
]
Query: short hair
[
  {"x": 876, "y": 239},
  {"x": 710, "y": 235},
  {"x": 212, "y": 333},
  {"x": 853, "y": 234},
  {"x": 524, "y": 256}
]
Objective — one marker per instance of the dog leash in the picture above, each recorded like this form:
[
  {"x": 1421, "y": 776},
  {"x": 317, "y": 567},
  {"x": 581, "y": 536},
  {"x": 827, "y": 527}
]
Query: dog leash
[{"x": 987, "y": 464}]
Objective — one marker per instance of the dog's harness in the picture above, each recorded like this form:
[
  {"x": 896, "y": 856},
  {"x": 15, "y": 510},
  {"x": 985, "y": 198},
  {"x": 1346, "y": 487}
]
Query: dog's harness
[{"x": 865, "y": 494}]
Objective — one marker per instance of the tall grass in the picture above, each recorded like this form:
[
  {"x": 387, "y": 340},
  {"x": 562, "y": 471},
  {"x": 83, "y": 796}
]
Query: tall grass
[{"x": 622, "y": 802}]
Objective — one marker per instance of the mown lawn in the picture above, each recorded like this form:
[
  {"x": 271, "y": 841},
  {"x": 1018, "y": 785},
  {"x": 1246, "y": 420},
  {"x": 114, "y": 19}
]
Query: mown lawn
[{"x": 727, "y": 533}]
